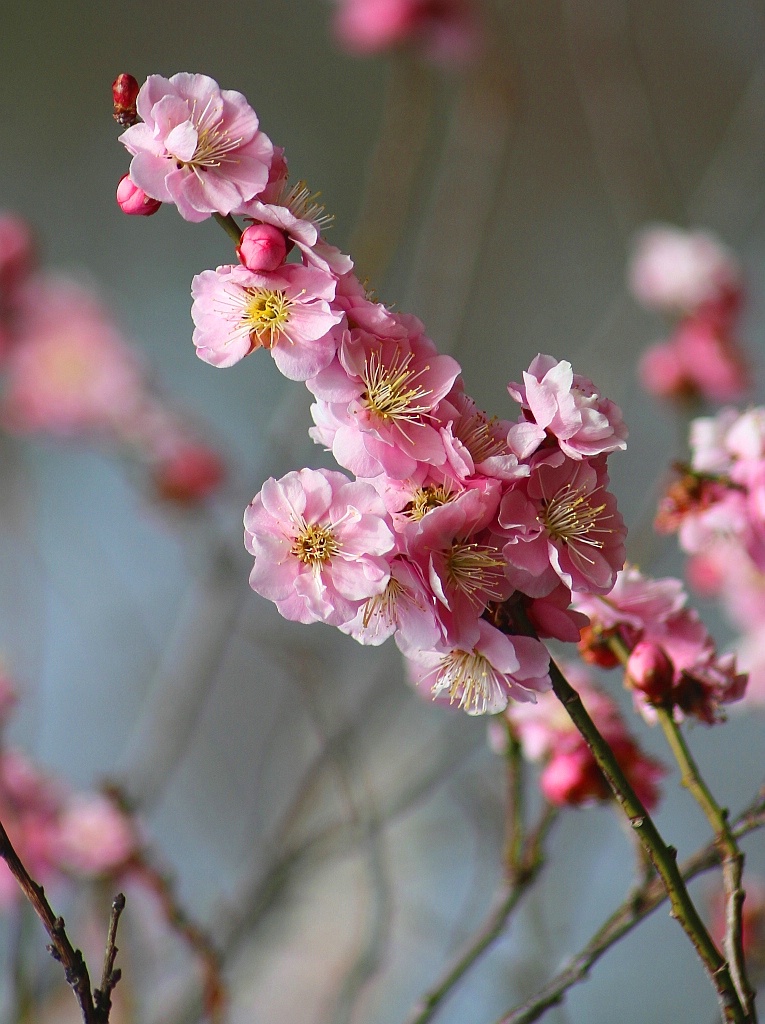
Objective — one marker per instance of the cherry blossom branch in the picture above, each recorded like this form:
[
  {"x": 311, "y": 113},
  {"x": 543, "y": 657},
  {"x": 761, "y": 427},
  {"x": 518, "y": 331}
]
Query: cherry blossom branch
[
  {"x": 95, "y": 1005},
  {"x": 662, "y": 856},
  {"x": 641, "y": 901},
  {"x": 523, "y": 872},
  {"x": 731, "y": 857}
]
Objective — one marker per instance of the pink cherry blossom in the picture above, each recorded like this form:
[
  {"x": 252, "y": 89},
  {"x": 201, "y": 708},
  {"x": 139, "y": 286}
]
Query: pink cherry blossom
[
  {"x": 70, "y": 371},
  {"x": 563, "y": 523},
  {"x": 319, "y": 542},
  {"x": 383, "y": 393},
  {"x": 287, "y": 311},
  {"x": 198, "y": 146},
  {"x": 678, "y": 271},
  {"x": 483, "y": 670},
  {"x": 447, "y": 31},
  {"x": 94, "y": 836},
  {"x": 560, "y": 403}
]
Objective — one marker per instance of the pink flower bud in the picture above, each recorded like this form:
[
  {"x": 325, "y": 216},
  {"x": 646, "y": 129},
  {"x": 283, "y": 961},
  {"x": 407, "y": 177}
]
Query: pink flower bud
[
  {"x": 190, "y": 474},
  {"x": 650, "y": 671},
  {"x": 133, "y": 200},
  {"x": 124, "y": 94},
  {"x": 263, "y": 247}
]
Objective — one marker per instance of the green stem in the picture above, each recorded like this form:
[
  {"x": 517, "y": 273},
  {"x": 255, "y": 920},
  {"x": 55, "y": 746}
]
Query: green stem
[
  {"x": 732, "y": 858},
  {"x": 230, "y": 226},
  {"x": 663, "y": 857},
  {"x": 514, "y": 824}
]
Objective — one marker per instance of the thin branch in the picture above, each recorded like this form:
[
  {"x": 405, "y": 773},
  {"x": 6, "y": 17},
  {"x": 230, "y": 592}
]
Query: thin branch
[
  {"x": 640, "y": 902},
  {"x": 102, "y": 996},
  {"x": 60, "y": 948}
]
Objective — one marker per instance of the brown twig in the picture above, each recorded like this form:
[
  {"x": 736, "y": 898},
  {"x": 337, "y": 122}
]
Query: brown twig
[{"x": 94, "y": 1006}]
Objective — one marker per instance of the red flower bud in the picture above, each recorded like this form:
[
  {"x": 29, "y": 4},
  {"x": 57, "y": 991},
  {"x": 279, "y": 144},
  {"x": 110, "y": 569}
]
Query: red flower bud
[
  {"x": 125, "y": 92},
  {"x": 650, "y": 671},
  {"x": 133, "y": 200},
  {"x": 263, "y": 247}
]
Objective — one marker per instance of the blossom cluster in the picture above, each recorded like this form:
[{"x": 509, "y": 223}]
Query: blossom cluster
[
  {"x": 68, "y": 372},
  {"x": 695, "y": 280},
  {"x": 570, "y": 775},
  {"x": 56, "y": 832},
  {"x": 461, "y": 535},
  {"x": 716, "y": 505},
  {"x": 673, "y": 662}
]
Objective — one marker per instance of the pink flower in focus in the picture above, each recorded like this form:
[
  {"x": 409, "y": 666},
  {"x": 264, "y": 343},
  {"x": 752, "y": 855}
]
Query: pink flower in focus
[
  {"x": 198, "y": 146},
  {"x": 70, "y": 372},
  {"x": 563, "y": 523},
  {"x": 678, "y": 271},
  {"x": 483, "y": 671},
  {"x": 558, "y": 402},
  {"x": 94, "y": 836},
  {"x": 319, "y": 542},
  {"x": 287, "y": 311}
]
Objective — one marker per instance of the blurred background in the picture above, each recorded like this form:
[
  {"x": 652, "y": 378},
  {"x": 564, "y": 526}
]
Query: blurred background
[{"x": 339, "y": 836}]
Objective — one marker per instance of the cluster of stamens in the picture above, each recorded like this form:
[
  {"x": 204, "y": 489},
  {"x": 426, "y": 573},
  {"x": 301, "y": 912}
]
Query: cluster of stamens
[
  {"x": 213, "y": 143},
  {"x": 476, "y": 431},
  {"x": 382, "y": 608},
  {"x": 475, "y": 570},
  {"x": 303, "y": 204},
  {"x": 266, "y": 314},
  {"x": 315, "y": 545},
  {"x": 392, "y": 392},
  {"x": 570, "y": 518},
  {"x": 468, "y": 678},
  {"x": 425, "y": 499}
]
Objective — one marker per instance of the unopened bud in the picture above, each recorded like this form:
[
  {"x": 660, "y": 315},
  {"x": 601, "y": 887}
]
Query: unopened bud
[
  {"x": 650, "y": 671},
  {"x": 124, "y": 93},
  {"x": 263, "y": 247},
  {"x": 133, "y": 200}
]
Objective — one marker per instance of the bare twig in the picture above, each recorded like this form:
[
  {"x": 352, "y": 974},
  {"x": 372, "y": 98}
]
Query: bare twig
[
  {"x": 102, "y": 997},
  {"x": 94, "y": 1010}
]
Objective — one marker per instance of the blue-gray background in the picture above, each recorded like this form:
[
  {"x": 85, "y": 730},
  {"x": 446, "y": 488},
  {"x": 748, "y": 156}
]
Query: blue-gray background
[{"x": 141, "y": 652}]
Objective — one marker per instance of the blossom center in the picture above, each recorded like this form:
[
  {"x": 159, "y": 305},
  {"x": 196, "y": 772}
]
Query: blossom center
[
  {"x": 393, "y": 393},
  {"x": 475, "y": 570},
  {"x": 266, "y": 314},
  {"x": 570, "y": 518},
  {"x": 214, "y": 144},
  {"x": 315, "y": 545},
  {"x": 469, "y": 678},
  {"x": 383, "y": 608},
  {"x": 427, "y": 498},
  {"x": 476, "y": 432}
]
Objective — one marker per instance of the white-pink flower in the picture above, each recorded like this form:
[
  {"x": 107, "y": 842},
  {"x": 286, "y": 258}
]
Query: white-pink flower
[
  {"x": 678, "y": 271},
  {"x": 483, "y": 670},
  {"x": 319, "y": 542},
  {"x": 94, "y": 836},
  {"x": 287, "y": 311},
  {"x": 556, "y": 401},
  {"x": 198, "y": 146}
]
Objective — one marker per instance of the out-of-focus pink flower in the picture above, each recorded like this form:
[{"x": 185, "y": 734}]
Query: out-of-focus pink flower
[
  {"x": 319, "y": 542},
  {"x": 94, "y": 836},
  {"x": 188, "y": 472},
  {"x": 133, "y": 200},
  {"x": 263, "y": 247},
  {"x": 558, "y": 402},
  {"x": 698, "y": 361},
  {"x": 236, "y": 311},
  {"x": 198, "y": 146},
  {"x": 678, "y": 271},
  {"x": 70, "y": 372},
  {"x": 483, "y": 671},
  {"x": 447, "y": 31},
  {"x": 17, "y": 257}
]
